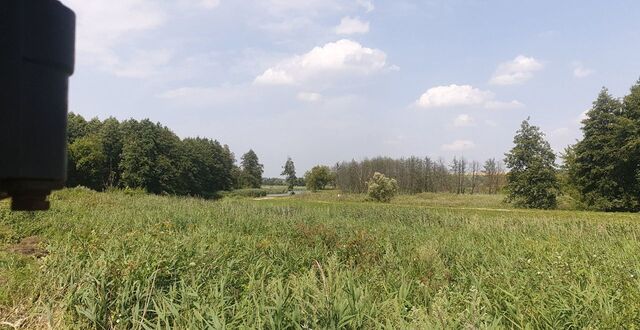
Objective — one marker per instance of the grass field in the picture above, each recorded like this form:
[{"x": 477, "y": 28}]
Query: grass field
[{"x": 133, "y": 261}]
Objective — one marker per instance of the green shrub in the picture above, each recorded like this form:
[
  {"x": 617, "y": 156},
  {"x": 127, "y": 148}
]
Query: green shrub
[
  {"x": 251, "y": 192},
  {"x": 382, "y": 189}
]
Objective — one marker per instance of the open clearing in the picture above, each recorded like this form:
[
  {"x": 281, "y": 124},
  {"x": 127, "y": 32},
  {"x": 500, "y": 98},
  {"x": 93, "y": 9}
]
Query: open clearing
[{"x": 127, "y": 261}]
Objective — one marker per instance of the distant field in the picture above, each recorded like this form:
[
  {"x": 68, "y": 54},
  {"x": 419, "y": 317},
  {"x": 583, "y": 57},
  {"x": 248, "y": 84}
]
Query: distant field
[{"x": 134, "y": 261}]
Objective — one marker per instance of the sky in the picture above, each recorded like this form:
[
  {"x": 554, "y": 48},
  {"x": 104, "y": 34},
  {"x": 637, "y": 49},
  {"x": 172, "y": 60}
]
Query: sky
[{"x": 324, "y": 81}]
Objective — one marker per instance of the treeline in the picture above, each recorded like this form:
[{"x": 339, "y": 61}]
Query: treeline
[
  {"x": 603, "y": 169},
  {"x": 416, "y": 175},
  {"x": 147, "y": 155}
]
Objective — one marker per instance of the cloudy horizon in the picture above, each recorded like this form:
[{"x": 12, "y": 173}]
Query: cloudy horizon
[{"x": 324, "y": 81}]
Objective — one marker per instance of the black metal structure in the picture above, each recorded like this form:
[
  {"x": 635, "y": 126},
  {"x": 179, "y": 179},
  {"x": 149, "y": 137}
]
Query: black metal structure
[{"x": 37, "y": 46}]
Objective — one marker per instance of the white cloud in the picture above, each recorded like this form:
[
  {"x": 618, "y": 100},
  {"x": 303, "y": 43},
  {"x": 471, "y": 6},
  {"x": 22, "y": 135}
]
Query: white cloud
[
  {"x": 309, "y": 97},
  {"x": 103, "y": 24},
  {"x": 454, "y": 96},
  {"x": 352, "y": 25},
  {"x": 463, "y": 120},
  {"x": 340, "y": 57},
  {"x": 580, "y": 71},
  {"x": 516, "y": 71},
  {"x": 459, "y": 145},
  {"x": 274, "y": 77},
  {"x": 366, "y": 4}
]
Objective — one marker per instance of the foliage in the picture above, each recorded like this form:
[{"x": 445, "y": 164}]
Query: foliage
[
  {"x": 532, "y": 179},
  {"x": 604, "y": 166},
  {"x": 141, "y": 154},
  {"x": 89, "y": 161},
  {"x": 248, "y": 192},
  {"x": 318, "y": 178},
  {"x": 381, "y": 188},
  {"x": 273, "y": 182},
  {"x": 117, "y": 261},
  {"x": 251, "y": 176},
  {"x": 414, "y": 175},
  {"x": 289, "y": 172}
]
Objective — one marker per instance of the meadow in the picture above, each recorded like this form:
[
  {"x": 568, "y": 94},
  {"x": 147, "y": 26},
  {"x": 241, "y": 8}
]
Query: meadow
[{"x": 127, "y": 260}]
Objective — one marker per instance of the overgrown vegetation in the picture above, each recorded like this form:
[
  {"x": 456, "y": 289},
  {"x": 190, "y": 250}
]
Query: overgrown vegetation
[
  {"x": 130, "y": 261},
  {"x": 382, "y": 189}
]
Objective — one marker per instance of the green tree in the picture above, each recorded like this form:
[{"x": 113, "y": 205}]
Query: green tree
[
  {"x": 599, "y": 167},
  {"x": 89, "y": 161},
  {"x": 382, "y": 189},
  {"x": 531, "y": 181},
  {"x": 112, "y": 145},
  {"x": 629, "y": 137},
  {"x": 289, "y": 172},
  {"x": 251, "y": 176},
  {"x": 318, "y": 178}
]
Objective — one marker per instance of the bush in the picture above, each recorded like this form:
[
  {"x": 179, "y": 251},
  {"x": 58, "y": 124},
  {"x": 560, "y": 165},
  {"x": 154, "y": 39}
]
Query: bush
[
  {"x": 318, "y": 178},
  {"x": 252, "y": 192},
  {"x": 382, "y": 189}
]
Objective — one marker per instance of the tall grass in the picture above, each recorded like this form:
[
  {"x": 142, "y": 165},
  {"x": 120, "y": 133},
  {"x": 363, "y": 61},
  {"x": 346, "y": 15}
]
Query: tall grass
[{"x": 125, "y": 261}]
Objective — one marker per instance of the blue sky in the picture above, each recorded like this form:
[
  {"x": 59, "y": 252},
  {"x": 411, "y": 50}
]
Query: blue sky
[{"x": 328, "y": 80}]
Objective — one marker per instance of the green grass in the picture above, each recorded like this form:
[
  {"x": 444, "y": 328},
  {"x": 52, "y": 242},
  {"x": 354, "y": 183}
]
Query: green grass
[{"x": 117, "y": 260}]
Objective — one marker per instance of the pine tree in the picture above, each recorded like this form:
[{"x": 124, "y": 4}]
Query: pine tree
[
  {"x": 532, "y": 181},
  {"x": 594, "y": 164}
]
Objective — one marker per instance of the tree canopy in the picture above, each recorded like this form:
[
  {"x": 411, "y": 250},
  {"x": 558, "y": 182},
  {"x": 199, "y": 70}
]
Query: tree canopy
[
  {"x": 143, "y": 154},
  {"x": 604, "y": 167},
  {"x": 532, "y": 179},
  {"x": 251, "y": 176},
  {"x": 289, "y": 172}
]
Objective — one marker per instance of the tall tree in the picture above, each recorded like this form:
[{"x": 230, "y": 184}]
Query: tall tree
[
  {"x": 475, "y": 171},
  {"x": 289, "y": 172},
  {"x": 595, "y": 163},
  {"x": 531, "y": 181},
  {"x": 491, "y": 172},
  {"x": 251, "y": 176}
]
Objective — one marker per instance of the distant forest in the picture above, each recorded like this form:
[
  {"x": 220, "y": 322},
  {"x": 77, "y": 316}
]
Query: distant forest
[
  {"x": 417, "y": 175},
  {"x": 601, "y": 171}
]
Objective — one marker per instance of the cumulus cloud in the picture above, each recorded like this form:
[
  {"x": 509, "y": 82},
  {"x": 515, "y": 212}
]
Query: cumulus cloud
[
  {"x": 104, "y": 25},
  {"x": 463, "y": 96},
  {"x": 309, "y": 97},
  {"x": 459, "y": 145},
  {"x": 352, "y": 25},
  {"x": 463, "y": 120},
  {"x": 454, "y": 96},
  {"x": 580, "y": 71},
  {"x": 340, "y": 57},
  {"x": 516, "y": 71}
]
